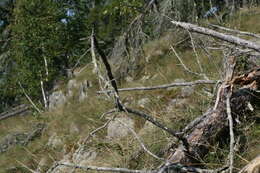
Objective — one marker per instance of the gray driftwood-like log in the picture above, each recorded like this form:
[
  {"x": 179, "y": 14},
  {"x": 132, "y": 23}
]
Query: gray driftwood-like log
[{"x": 229, "y": 38}]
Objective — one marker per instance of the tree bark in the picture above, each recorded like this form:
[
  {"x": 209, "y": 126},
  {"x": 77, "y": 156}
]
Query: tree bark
[{"x": 214, "y": 123}]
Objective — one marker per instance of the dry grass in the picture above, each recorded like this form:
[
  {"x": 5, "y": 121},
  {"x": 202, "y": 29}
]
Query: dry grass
[{"x": 159, "y": 66}]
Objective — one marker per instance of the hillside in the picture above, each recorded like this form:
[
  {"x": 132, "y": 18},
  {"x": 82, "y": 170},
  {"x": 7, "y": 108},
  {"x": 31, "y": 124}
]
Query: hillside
[{"x": 81, "y": 128}]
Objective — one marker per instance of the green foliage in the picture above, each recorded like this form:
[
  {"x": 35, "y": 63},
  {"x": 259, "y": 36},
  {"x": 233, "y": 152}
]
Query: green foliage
[{"x": 43, "y": 46}]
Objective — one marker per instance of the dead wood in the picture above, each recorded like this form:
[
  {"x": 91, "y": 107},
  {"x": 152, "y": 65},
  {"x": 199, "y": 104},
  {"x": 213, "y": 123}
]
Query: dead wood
[
  {"x": 214, "y": 122},
  {"x": 119, "y": 104},
  {"x": 165, "y": 86},
  {"x": 235, "y": 31},
  {"x": 229, "y": 38},
  {"x": 14, "y": 111},
  {"x": 252, "y": 167}
]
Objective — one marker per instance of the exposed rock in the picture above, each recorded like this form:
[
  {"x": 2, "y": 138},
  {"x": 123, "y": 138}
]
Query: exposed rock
[
  {"x": 176, "y": 103},
  {"x": 56, "y": 99},
  {"x": 254, "y": 60},
  {"x": 145, "y": 78},
  {"x": 187, "y": 91},
  {"x": 55, "y": 141},
  {"x": 179, "y": 80},
  {"x": 129, "y": 79},
  {"x": 84, "y": 156},
  {"x": 83, "y": 90},
  {"x": 74, "y": 128},
  {"x": 20, "y": 138},
  {"x": 148, "y": 127},
  {"x": 116, "y": 130},
  {"x": 43, "y": 164},
  {"x": 143, "y": 102},
  {"x": 70, "y": 86}
]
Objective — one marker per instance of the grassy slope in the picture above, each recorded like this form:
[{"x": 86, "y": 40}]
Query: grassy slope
[{"x": 163, "y": 67}]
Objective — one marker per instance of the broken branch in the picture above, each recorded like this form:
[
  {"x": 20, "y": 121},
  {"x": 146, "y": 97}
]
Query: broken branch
[
  {"x": 235, "y": 31},
  {"x": 229, "y": 38},
  {"x": 165, "y": 86}
]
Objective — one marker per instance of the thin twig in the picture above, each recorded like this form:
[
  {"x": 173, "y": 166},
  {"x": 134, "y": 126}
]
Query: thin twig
[
  {"x": 140, "y": 141},
  {"x": 93, "y": 55},
  {"x": 30, "y": 100},
  {"x": 195, "y": 51},
  {"x": 78, "y": 61},
  {"x": 44, "y": 96},
  {"x": 183, "y": 65},
  {"x": 178, "y": 135},
  {"x": 23, "y": 165},
  {"x": 231, "y": 132},
  {"x": 98, "y": 129}
]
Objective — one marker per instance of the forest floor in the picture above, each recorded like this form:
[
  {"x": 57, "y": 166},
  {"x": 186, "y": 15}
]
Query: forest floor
[{"x": 175, "y": 107}]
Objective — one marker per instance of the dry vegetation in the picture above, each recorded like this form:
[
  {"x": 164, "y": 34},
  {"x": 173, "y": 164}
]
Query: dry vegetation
[{"x": 159, "y": 66}]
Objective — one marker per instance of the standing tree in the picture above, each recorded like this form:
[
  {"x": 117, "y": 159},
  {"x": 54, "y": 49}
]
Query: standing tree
[{"x": 45, "y": 43}]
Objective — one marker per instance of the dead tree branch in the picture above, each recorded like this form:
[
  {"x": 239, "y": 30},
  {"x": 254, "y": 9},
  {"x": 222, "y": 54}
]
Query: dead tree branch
[
  {"x": 165, "y": 86},
  {"x": 171, "y": 167},
  {"x": 183, "y": 65},
  {"x": 235, "y": 31},
  {"x": 121, "y": 107},
  {"x": 229, "y": 38},
  {"x": 211, "y": 125},
  {"x": 14, "y": 111},
  {"x": 105, "y": 169},
  {"x": 205, "y": 129},
  {"x": 29, "y": 99},
  {"x": 231, "y": 132}
]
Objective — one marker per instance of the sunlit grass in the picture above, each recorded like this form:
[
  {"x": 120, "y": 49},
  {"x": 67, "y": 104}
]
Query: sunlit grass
[{"x": 159, "y": 66}]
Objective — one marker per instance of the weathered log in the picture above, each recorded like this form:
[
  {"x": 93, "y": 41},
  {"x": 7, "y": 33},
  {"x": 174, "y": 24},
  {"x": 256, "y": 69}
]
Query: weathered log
[
  {"x": 229, "y": 38},
  {"x": 214, "y": 122}
]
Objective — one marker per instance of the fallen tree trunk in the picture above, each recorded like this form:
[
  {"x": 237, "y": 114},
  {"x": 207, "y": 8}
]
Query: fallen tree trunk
[
  {"x": 204, "y": 131},
  {"x": 229, "y": 38}
]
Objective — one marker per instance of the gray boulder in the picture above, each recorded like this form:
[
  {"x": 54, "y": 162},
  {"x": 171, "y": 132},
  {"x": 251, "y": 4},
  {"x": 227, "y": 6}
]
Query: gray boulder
[
  {"x": 84, "y": 156},
  {"x": 57, "y": 99},
  {"x": 116, "y": 130},
  {"x": 187, "y": 91}
]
